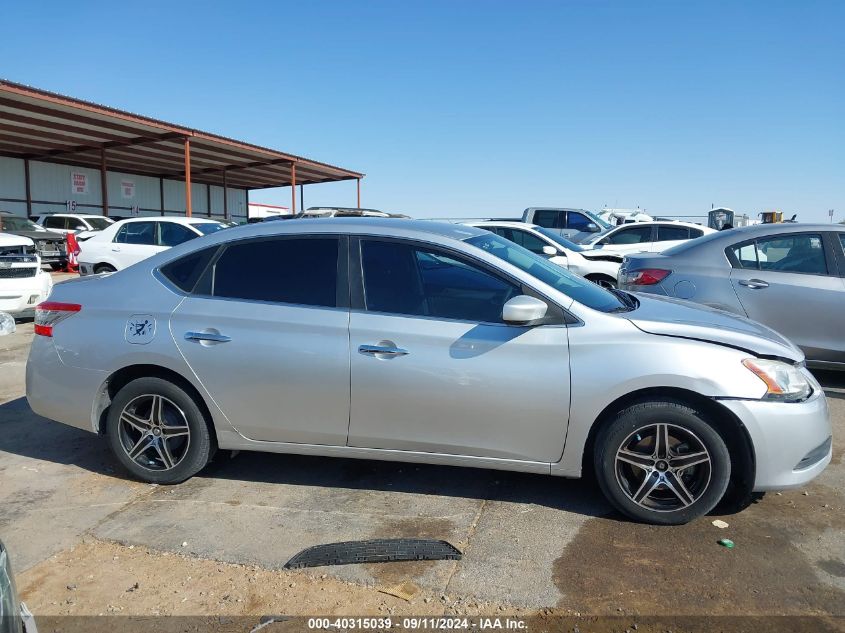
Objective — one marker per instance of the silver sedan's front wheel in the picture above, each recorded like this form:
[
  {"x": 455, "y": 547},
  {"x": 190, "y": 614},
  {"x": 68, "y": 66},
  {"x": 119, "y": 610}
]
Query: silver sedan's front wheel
[
  {"x": 158, "y": 432},
  {"x": 662, "y": 462}
]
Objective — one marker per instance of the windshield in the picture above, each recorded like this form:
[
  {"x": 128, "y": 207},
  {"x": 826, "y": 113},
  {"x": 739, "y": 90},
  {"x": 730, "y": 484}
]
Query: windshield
[
  {"x": 98, "y": 224},
  {"x": 578, "y": 288},
  {"x": 15, "y": 223},
  {"x": 207, "y": 227},
  {"x": 572, "y": 246}
]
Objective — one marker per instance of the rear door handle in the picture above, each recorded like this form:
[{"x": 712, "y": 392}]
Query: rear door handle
[
  {"x": 754, "y": 284},
  {"x": 209, "y": 337},
  {"x": 377, "y": 350}
]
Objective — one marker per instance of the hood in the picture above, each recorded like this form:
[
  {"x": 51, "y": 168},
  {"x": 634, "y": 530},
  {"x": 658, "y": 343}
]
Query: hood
[
  {"x": 673, "y": 317},
  {"x": 41, "y": 235},
  {"x": 7, "y": 239}
]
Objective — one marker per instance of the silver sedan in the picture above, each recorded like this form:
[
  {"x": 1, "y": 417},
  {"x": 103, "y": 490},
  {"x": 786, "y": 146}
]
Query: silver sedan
[
  {"x": 424, "y": 342},
  {"x": 789, "y": 276}
]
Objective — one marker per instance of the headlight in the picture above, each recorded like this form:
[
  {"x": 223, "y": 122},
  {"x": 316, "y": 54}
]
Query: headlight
[{"x": 784, "y": 382}]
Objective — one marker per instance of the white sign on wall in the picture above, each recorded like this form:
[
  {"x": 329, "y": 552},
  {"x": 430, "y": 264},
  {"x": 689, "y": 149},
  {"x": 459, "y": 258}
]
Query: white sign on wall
[
  {"x": 78, "y": 183},
  {"x": 127, "y": 188}
]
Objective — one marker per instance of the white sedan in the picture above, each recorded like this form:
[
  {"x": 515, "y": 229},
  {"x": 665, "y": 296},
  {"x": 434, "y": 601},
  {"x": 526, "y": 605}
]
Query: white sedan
[
  {"x": 597, "y": 266},
  {"x": 129, "y": 241},
  {"x": 645, "y": 237}
]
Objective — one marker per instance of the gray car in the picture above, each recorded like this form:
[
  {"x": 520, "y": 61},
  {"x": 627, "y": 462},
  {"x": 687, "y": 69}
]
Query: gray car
[
  {"x": 789, "y": 276},
  {"x": 423, "y": 342}
]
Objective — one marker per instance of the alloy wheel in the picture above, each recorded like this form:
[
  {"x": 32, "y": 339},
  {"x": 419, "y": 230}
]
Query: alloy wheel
[
  {"x": 154, "y": 432},
  {"x": 663, "y": 467}
]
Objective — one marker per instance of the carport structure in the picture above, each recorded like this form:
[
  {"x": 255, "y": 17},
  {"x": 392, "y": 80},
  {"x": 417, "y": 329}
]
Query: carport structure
[{"x": 36, "y": 125}]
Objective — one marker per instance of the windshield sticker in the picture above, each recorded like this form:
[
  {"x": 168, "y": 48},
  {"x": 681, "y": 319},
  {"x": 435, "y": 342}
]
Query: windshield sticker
[{"x": 140, "y": 329}]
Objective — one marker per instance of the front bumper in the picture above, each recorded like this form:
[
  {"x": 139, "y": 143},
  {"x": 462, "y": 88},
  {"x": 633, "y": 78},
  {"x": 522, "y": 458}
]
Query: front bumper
[{"x": 789, "y": 439}]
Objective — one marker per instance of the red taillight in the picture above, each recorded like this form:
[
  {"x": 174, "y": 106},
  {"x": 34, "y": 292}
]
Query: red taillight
[
  {"x": 49, "y": 313},
  {"x": 647, "y": 276}
]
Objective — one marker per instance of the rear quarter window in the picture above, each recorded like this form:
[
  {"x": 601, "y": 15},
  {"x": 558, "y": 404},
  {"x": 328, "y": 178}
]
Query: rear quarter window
[{"x": 185, "y": 271}]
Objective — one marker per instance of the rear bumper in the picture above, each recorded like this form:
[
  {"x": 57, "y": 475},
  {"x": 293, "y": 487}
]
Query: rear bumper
[
  {"x": 791, "y": 440},
  {"x": 58, "y": 392}
]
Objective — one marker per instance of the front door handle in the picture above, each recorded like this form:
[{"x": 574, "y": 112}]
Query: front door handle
[
  {"x": 754, "y": 284},
  {"x": 379, "y": 350},
  {"x": 115, "y": 249},
  {"x": 207, "y": 337}
]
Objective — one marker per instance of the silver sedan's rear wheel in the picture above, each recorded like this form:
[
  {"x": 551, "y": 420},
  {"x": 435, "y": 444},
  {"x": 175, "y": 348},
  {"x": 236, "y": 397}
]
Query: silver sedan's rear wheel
[
  {"x": 158, "y": 432},
  {"x": 154, "y": 432},
  {"x": 662, "y": 462}
]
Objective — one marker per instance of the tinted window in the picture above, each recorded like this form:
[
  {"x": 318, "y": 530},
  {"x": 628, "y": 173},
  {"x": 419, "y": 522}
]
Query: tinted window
[
  {"x": 694, "y": 233},
  {"x": 297, "y": 270},
  {"x": 842, "y": 241},
  {"x": 666, "y": 233},
  {"x": 578, "y": 288},
  {"x": 549, "y": 218},
  {"x": 577, "y": 221},
  {"x": 529, "y": 241},
  {"x": 404, "y": 279},
  {"x": 185, "y": 271},
  {"x": 633, "y": 235},
  {"x": 803, "y": 253},
  {"x": 799, "y": 253},
  {"x": 137, "y": 233},
  {"x": 172, "y": 234},
  {"x": 15, "y": 223},
  {"x": 54, "y": 223}
]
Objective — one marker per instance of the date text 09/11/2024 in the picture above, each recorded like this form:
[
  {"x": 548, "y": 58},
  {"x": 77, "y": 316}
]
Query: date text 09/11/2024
[{"x": 417, "y": 623}]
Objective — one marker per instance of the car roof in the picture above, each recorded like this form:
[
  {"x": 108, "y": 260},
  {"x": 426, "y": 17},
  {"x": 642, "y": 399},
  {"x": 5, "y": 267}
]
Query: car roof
[
  {"x": 177, "y": 219},
  {"x": 505, "y": 223},
  {"x": 72, "y": 215},
  {"x": 691, "y": 225},
  {"x": 352, "y": 225},
  {"x": 719, "y": 240}
]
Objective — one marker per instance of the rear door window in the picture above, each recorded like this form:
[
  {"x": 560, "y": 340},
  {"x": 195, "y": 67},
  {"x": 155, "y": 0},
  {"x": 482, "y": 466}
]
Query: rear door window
[
  {"x": 667, "y": 233},
  {"x": 54, "y": 222},
  {"x": 632, "y": 235},
  {"x": 140, "y": 233},
  {"x": 793, "y": 253},
  {"x": 298, "y": 270},
  {"x": 550, "y": 219},
  {"x": 528, "y": 240}
]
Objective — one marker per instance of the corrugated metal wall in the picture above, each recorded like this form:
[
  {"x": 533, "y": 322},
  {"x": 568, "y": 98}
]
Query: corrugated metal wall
[{"x": 51, "y": 189}]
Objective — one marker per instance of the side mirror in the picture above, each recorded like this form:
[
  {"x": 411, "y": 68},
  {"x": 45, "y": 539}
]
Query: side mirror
[
  {"x": 80, "y": 227},
  {"x": 550, "y": 250},
  {"x": 592, "y": 227},
  {"x": 524, "y": 310}
]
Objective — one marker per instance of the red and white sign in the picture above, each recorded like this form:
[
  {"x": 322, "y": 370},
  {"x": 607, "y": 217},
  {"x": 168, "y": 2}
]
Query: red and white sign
[
  {"x": 127, "y": 189},
  {"x": 78, "y": 182}
]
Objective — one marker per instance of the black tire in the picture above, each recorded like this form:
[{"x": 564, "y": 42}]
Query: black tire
[
  {"x": 194, "y": 450},
  {"x": 679, "y": 493},
  {"x": 56, "y": 266},
  {"x": 104, "y": 268}
]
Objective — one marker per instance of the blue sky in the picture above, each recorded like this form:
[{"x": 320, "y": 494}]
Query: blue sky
[{"x": 471, "y": 108}]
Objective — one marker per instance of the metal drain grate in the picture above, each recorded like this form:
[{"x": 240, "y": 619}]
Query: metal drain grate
[{"x": 374, "y": 551}]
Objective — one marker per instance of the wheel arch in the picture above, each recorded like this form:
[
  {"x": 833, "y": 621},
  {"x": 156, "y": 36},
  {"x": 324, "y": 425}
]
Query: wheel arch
[
  {"x": 122, "y": 377},
  {"x": 730, "y": 427}
]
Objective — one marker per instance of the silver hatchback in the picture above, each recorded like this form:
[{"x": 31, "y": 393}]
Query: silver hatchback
[{"x": 424, "y": 342}]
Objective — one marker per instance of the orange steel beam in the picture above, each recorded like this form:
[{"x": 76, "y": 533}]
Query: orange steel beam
[
  {"x": 225, "y": 197},
  {"x": 293, "y": 188},
  {"x": 187, "y": 176}
]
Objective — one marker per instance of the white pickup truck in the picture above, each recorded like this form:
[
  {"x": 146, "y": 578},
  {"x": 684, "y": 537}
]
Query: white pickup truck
[{"x": 23, "y": 284}]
